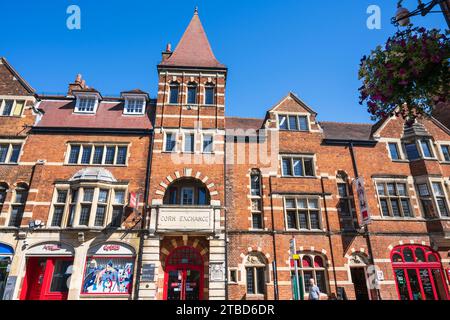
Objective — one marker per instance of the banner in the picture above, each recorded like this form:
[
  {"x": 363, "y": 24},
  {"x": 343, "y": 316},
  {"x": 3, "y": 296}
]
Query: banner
[{"x": 362, "y": 199}]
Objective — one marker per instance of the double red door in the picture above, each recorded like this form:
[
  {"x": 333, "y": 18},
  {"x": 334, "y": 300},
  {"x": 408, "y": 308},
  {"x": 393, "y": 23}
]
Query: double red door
[
  {"x": 183, "y": 283},
  {"x": 46, "y": 278}
]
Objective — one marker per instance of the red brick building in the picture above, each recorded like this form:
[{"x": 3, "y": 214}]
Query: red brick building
[{"x": 131, "y": 197}]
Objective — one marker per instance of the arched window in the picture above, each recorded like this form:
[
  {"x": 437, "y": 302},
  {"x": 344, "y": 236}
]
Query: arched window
[
  {"x": 311, "y": 266},
  {"x": 418, "y": 273},
  {"x": 3, "y": 192},
  {"x": 255, "y": 267},
  {"x": 187, "y": 192},
  {"x": 18, "y": 205},
  {"x": 174, "y": 92},
  {"x": 210, "y": 93},
  {"x": 192, "y": 93}
]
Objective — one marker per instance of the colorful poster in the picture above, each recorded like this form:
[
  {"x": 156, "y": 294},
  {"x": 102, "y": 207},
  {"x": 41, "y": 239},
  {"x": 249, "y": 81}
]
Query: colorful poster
[{"x": 108, "y": 275}]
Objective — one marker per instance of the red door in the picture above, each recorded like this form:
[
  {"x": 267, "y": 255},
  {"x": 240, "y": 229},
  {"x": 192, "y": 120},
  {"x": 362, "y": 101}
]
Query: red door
[{"x": 46, "y": 278}]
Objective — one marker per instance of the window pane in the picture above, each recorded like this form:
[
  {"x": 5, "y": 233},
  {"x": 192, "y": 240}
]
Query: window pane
[
  {"x": 257, "y": 221},
  {"x": 189, "y": 142},
  {"x": 293, "y": 123},
  {"x": 391, "y": 189},
  {"x": 283, "y": 122},
  {"x": 62, "y": 196},
  {"x": 426, "y": 149},
  {"x": 384, "y": 207},
  {"x": 18, "y": 108},
  {"x": 174, "y": 88},
  {"x": 187, "y": 196},
  {"x": 74, "y": 153},
  {"x": 291, "y": 220},
  {"x": 170, "y": 142},
  {"x": 446, "y": 152},
  {"x": 121, "y": 155},
  {"x": 423, "y": 190},
  {"x": 16, "y": 216},
  {"x": 437, "y": 188},
  {"x": 380, "y": 188},
  {"x": 60, "y": 276},
  {"x": 202, "y": 198},
  {"x": 8, "y": 107},
  {"x": 209, "y": 95},
  {"x": 255, "y": 185},
  {"x": 303, "y": 121},
  {"x": 84, "y": 215},
  {"x": 314, "y": 218},
  {"x": 302, "y": 203},
  {"x": 207, "y": 143},
  {"x": 411, "y": 151},
  {"x": 57, "y": 216},
  {"x": 260, "y": 280},
  {"x": 98, "y": 154},
  {"x": 342, "y": 189},
  {"x": 250, "y": 281},
  {"x": 100, "y": 216},
  {"x": 406, "y": 209},
  {"x": 119, "y": 196},
  {"x": 307, "y": 276},
  {"x": 88, "y": 195},
  {"x": 290, "y": 203},
  {"x": 309, "y": 169},
  {"x": 103, "y": 196},
  {"x": 428, "y": 208},
  {"x": 401, "y": 189},
  {"x": 86, "y": 157},
  {"x": 313, "y": 203},
  {"x": 344, "y": 207},
  {"x": 173, "y": 196},
  {"x": 442, "y": 205},
  {"x": 117, "y": 217},
  {"x": 320, "y": 281},
  {"x": 394, "y": 151},
  {"x": 21, "y": 196},
  {"x": 256, "y": 205},
  {"x": 15, "y": 153},
  {"x": 110, "y": 154},
  {"x": 298, "y": 167},
  {"x": 395, "y": 208},
  {"x": 287, "y": 170},
  {"x": 3, "y": 152},
  {"x": 192, "y": 94},
  {"x": 303, "y": 220}
]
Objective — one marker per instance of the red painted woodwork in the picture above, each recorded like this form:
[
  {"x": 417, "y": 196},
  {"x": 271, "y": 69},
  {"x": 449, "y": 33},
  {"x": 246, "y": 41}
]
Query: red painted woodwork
[{"x": 39, "y": 274}]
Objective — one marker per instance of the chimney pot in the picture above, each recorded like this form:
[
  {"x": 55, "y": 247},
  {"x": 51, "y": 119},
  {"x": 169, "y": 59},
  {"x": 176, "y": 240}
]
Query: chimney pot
[
  {"x": 78, "y": 78},
  {"x": 83, "y": 84},
  {"x": 169, "y": 48}
]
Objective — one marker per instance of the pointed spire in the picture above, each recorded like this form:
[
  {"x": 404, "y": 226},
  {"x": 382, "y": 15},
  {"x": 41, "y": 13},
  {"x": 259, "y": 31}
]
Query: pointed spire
[{"x": 194, "y": 49}]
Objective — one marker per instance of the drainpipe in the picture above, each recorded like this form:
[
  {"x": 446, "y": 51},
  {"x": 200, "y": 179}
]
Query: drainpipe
[
  {"x": 144, "y": 211},
  {"x": 366, "y": 227},
  {"x": 330, "y": 242},
  {"x": 274, "y": 243},
  {"x": 225, "y": 213}
]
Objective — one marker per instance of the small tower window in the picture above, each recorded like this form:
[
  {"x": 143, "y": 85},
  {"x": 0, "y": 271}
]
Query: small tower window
[
  {"x": 209, "y": 94},
  {"x": 174, "y": 92},
  {"x": 192, "y": 93}
]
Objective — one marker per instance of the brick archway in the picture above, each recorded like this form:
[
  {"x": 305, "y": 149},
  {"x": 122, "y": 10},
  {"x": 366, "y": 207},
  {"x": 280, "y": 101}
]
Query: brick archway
[{"x": 187, "y": 173}]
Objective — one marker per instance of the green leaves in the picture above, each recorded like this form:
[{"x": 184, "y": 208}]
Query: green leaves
[{"x": 408, "y": 76}]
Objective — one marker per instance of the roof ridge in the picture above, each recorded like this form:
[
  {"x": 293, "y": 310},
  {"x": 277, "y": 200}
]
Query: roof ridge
[{"x": 351, "y": 123}]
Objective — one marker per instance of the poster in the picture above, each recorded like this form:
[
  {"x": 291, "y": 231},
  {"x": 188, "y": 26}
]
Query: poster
[{"x": 108, "y": 276}]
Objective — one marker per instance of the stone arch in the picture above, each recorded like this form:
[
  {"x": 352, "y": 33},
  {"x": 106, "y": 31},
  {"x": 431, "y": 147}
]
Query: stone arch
[
  {"x": 392, "y": 245},
  {"x": 359, "y": 251},
  {"x": 187, "y": 173},
  {"x": 169, "y": 244}
]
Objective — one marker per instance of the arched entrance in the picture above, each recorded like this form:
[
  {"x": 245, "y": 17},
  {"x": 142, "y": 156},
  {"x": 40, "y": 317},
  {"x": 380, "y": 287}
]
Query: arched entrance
[
  {"x": 183, "y": 279},
  {"x": 418, "y": 273}
]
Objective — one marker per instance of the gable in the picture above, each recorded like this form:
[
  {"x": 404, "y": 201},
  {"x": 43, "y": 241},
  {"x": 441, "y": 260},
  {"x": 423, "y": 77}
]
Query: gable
[
  {"x": 292, "y": 104},
  {"x": 11, "y": 83}
]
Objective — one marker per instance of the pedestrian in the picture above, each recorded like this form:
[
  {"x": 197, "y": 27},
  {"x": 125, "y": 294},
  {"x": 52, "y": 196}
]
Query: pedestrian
[{"x": 314, "y": 291}]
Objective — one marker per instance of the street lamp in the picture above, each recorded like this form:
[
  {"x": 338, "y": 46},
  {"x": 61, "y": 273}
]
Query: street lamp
[{"x": 403, "y": 15}]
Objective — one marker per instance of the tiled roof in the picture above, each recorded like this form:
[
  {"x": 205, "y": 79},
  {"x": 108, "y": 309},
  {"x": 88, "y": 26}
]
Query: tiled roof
[
  {"x": 194, "y": 49},
  {"x": 346, "y": 131},
  {"x": 243, "y": 123},
  {"x": 135, "y": 91},
  {"x": 60, "y": 114}
]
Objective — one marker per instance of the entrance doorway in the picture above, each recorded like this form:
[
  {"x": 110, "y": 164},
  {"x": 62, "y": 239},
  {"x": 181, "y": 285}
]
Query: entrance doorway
[
  {"x": 418, "y": 273},
  {"x": 360, "y": 283},
  {"x": 46, "y": 278},
  {"x": 184, "y": 275}
]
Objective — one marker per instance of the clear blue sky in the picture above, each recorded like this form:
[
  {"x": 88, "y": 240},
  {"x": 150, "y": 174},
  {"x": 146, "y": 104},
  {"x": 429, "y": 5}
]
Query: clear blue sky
[{"x": 271, "y": 47}]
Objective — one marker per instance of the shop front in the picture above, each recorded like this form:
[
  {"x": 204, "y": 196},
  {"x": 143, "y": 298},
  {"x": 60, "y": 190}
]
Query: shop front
[
  {"x": 6, "y": 254},
  {"x": 418, "y": 273},
  {"x": 48, "y": 271}
]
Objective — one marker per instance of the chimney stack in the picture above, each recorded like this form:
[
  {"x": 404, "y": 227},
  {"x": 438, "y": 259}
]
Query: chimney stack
[
  {"x": 166, "y": 54},
  {"x": 78, "y": 84}
]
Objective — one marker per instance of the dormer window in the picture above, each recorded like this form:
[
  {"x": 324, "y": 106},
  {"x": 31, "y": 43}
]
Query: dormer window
[
  {"x": 11, "y": 108},
  {"x": 134, "y": 105},
  {"x": 86, "y": 104},
  {"x": 293, "y": 123}
]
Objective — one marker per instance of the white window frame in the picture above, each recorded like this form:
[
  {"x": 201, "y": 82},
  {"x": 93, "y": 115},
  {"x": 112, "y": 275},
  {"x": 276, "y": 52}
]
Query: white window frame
[
  {"x": 179, "y": 96},
  {"x": 10, "y": 144},
  {"x": 191, "y": 84},
  {"x": 212, "y": 143},
  {"x": 297, "y": 209},
  {"x": 301, "y": 156},
  {"x": 387, "y": 196},
  {"x": 182, "y": 196},
  {"x": 91, "y": 159},
  {"x": 79, "y": 97},
  {"x": 312, "y": 269},
  {"x": 214, "y": 87},
  {"x": 176, "y": 147},
  {"x": 14, "y": 100},
  {"x": 440, "y": 145},
  {"x": 400, "y": 152},
  {"x": 430, "y": 145},
  {"x": 194, "y": 136},
  {"x": 128, "y": 99},
  {"x": 295, "y": 114}
]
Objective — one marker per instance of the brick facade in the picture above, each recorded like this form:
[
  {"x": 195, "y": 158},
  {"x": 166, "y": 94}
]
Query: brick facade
[{"x": 214, "y": 219}]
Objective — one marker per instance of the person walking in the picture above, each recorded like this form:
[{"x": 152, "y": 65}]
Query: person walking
[{"x": 314, "y": 291}]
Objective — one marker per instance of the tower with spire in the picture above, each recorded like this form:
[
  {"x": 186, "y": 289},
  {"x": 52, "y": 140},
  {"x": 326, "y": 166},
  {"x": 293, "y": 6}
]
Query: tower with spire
[{"x": 188, "y": 167}]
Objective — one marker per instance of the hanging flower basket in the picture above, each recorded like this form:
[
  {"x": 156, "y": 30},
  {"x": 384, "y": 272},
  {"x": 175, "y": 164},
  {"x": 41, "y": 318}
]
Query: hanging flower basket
[{"x": 407, "y": 77}]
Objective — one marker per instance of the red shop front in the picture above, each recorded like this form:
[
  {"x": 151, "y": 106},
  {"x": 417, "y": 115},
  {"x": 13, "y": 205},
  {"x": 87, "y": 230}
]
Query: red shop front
[{"x": 48, "y": 272}]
